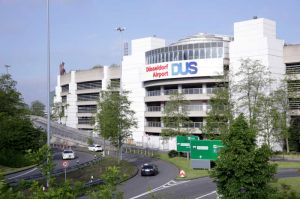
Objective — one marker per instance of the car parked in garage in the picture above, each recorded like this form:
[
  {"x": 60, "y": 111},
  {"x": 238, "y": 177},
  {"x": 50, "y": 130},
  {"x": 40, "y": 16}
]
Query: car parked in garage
[{"x": 149, "y": 170}]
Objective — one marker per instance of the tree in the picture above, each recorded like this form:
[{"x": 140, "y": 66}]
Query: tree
[
  {"x": 175, "y": 117},
  {"x": 294, "y": 131},
  {"x": 252, "y": 81},
  {"x": 243, "y": 170},
  {"x": 220, "y": 115},
  {"x": 10, "y": 98},
  {"x": 115, "y": 118},
  {"x": 17, "y": 134},
  {"x": 58, "y": 111},
  {"x": 37, "y": 108}
]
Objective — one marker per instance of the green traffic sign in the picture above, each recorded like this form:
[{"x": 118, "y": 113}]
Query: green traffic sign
[
  {"x": 205, "y": 149},
  {"x": 184, "y": 142}
]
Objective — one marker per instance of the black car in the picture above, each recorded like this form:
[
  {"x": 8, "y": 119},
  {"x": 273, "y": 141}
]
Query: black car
[{"x": 149, "y": 170}]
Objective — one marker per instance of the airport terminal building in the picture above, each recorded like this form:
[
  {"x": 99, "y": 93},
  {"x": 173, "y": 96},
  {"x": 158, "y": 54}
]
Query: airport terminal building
[{"x": 192, "y": 66}]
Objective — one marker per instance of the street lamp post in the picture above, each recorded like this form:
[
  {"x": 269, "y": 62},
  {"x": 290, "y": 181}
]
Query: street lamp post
[
  {"x": 48, "y": 84},
  {"x": 121, "y": 29}
]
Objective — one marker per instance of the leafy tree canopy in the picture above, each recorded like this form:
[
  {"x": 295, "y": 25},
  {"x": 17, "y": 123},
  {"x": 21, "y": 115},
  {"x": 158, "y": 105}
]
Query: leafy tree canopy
[{"x": 242, "y": 170}]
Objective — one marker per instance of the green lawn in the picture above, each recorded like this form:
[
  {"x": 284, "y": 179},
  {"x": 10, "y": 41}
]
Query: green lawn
[
  {"x": 294, "y": 184},
  {"x": 183, "y": 163},
  {"x": 287, "y": 164},
  {"x": 84, "y": 175},
  {"x": 289, "y": 156}
]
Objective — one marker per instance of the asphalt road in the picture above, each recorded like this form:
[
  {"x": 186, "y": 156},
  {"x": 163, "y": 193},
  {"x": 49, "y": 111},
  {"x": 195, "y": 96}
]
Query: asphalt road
[
  {"x": 140, "y": 184},
  {"x": 163, "y": 185},
  {"x": 81, "y": 157}
]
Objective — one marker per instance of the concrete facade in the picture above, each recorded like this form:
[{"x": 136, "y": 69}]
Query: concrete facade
[{"x": 192, "y": 66}]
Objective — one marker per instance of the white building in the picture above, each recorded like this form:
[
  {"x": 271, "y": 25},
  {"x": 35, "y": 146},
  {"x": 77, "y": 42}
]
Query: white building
[{"x": 153, "y": 70}]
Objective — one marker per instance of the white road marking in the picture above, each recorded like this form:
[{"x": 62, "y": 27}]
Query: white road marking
[
  {"x": 165, "y": 186},
  {"x": 206, "y": 195},
  {"x": 22, "y": 174}
]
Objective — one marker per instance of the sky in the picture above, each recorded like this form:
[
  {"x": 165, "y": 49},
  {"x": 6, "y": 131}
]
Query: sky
[{"x": 82, "y": 32}]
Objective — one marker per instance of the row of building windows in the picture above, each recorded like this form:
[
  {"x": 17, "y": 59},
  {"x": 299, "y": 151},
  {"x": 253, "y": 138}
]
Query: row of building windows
[
  {"x": 293, "y": 68},
  {"x": 190, "y": 107},
  {"x": 89, "y": 85},
  {"x": 86, "y": 120},
  {"x": 294, "y": 103},
  {"x": 185, "y": 52},
  {"x": 294, "y": 86},
  {"x": 88, "y": 97},
  {"x": 186, "y": 91},
  {"x": 87, "y": 109},
  {"x": 65, "y": 88}
]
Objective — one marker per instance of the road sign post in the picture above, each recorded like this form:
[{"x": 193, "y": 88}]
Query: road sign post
[{"x": 65, "y": 164}]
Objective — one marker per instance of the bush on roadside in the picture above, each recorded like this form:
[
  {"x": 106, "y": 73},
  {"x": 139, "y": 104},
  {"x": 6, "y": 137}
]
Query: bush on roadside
[{"x": 172, "y": 153}]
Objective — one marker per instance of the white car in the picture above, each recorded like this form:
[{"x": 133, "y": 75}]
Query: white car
[
  {"x": 95, "y": 147},
  {"x": 68, "y": 154}
]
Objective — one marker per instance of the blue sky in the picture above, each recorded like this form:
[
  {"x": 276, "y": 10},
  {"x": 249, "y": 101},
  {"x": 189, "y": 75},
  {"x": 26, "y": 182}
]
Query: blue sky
[{"x": 83, "y": 35}]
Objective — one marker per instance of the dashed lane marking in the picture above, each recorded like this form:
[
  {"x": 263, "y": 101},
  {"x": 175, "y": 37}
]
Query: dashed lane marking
[
  {"x": 22, "y": 174},
  {"x": 165, "y": 186},
  {"x": 213, "y": 192}
]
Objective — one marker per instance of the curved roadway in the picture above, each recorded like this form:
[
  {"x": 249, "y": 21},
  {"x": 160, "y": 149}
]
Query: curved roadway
[{"x": 81, "y": 157}]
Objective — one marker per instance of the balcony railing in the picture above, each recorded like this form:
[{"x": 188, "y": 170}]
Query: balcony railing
[
  {"x": 170, "y": 91},
  {"x": 211, "y": 90},
  {"x": 197, "y": 107},
  {"x": 153, "y": 93},
  {"x": 153, "y": 108},
  {"x": 153, "y": 124},
  {"x": 192, "y": 91}
]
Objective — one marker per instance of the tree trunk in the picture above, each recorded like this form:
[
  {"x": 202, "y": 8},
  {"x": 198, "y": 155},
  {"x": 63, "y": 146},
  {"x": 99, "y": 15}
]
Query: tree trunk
[{"x": 287, "y": 145}]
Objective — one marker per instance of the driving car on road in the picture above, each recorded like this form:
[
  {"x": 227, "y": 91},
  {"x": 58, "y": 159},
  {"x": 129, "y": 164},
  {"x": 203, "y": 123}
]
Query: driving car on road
[
  {"x": 149, "y": 170},
  {"x": 95, "y": 147},
  {"x": 68, "y": 154}
]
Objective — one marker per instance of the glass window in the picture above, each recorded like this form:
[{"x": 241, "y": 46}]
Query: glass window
[
  {"x": 191, "y": 54},
  {"x": 180, "y": 55},
  {"x": 202, "y": 45},
  {"x": 202, "y": 53},
  {"x": 220, "y": 44},
  {"x": 214, "y": 52},
  {"x": 196, "y": 46},
  {"x": 162, "y": 57},
  {"x": 185, "y": 47},
  {"x": 220, "y": 52},
  {"x": 174, "y": 48},
  {"x": 175, "y": 56},
  {"x": 185, "y": 55},
  {"x": 196, "y": 55},
  {"x": 180, "y": 47},
  {"x": 207, "y": 45},
  {"x": 207, "y": 53},
  {"x": 167, "y": 57},
  {"x": 213, "y": 44},
  {"x": 171, "y": 56}
]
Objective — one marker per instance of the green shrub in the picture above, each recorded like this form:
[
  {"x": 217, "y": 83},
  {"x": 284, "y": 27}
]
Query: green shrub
[
  {"x": 172, "y": 153},
  {"x": 12, "y": 158}
]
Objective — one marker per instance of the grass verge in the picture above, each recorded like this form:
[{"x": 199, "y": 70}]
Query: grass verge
[
  {"x": 183, "y": 163},
  {"x": 96, "y": 170},
  {"x": 8, "y": 170},
  {"x": 293, "y": 183},
  {"x": 282, "y": 165}
]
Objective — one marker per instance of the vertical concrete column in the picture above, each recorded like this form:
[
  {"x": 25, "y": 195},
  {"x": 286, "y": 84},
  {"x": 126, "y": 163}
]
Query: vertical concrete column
[
  {"x": 105, "y": 81},
  {"x": 162, "y": 89},
  {"x": 204, "y": 90},
  {"x": 179, "y": 88}
]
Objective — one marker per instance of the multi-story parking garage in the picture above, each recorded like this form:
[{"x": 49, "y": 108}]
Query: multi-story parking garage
[
  {"x": 192, "y": 66},
  {"x": 78, "y": 93}
]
